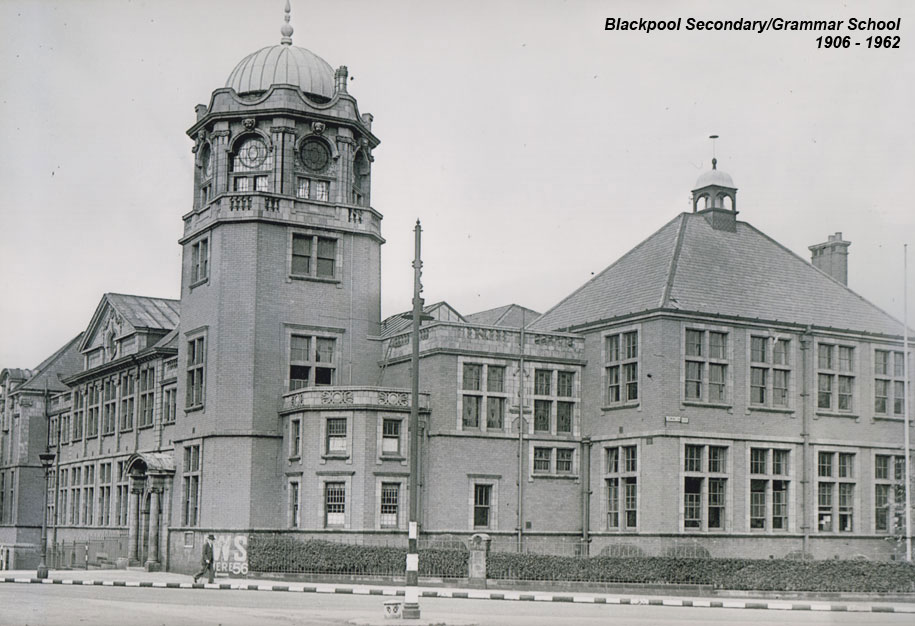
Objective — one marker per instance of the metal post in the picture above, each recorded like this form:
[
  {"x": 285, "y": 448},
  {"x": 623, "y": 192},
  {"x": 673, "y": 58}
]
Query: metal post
[
  {"x": 521, "y": 425},
  {"x": 906, "y": 397},
  {"x": 46, "y": 458},
  {"x": 411, "y": 593}
]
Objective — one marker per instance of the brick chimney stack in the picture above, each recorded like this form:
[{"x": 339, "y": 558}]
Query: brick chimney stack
[{"x": 832, "y": 257}]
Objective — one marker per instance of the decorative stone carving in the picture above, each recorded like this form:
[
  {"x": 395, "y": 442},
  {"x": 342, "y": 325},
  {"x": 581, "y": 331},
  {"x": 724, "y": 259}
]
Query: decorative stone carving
[
  {"x": 317, "y": 128},
  {"x": 248, "y": 122},
  {"x": 393, "y": 398},
  {"x": 337, "y": 397}
]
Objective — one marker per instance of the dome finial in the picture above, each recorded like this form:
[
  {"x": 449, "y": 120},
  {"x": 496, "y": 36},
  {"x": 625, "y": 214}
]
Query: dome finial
[
  {"x": 714, "y": 160},
  {"x": 286, "y": 30}
]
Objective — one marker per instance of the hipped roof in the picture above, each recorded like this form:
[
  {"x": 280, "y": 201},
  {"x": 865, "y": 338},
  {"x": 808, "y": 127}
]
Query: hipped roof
[{"x": 690, "y": 266}]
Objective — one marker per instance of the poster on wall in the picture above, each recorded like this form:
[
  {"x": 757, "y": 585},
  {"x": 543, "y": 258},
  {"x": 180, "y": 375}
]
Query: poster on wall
[{"x": 230, "y": 555}]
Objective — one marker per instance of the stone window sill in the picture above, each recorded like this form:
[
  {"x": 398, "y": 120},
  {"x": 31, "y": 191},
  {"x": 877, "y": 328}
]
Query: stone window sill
[
  {"x": 707, "y": 405},
  {"x": 621, "y": 405}
]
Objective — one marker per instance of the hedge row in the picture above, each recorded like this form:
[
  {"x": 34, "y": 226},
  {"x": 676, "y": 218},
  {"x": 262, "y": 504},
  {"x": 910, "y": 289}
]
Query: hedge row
[
  {"x": 284, "y": 554},
  {"x": 742, "y": 574}
]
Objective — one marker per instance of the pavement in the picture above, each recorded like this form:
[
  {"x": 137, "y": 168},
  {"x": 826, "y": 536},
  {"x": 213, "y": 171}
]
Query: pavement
[{"x": 171, "y": 580}]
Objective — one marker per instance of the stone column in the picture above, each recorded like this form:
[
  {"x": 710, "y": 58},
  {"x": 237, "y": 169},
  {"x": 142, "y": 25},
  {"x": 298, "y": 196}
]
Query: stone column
[
  {"x": 283, "y": 135},
  {"x": 143, "y": 540},
  {"x": 219, "y": 144},
  {"x": 133, "y": 521},
  {"x": 152, "y": 559},
  {"x": 345, "y": 149},
  {"x": 479, "y": 549}
]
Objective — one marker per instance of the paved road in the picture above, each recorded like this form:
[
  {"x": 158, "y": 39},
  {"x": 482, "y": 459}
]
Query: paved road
[{"x": 64, "y": 605}]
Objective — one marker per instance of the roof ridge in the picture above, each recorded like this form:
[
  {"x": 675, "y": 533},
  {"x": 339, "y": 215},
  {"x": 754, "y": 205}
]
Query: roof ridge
[
  {"x": 604, "y": 271},
  {"x": 674, "y": 261},
  {"x": 46, "y": 364},
  {"x": 822, "y": 273}
]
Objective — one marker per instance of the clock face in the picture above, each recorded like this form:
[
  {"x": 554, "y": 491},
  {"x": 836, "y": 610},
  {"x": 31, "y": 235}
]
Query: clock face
[
  {"x": 314, "y": 155},
  {"x": 253, "y": 153}
]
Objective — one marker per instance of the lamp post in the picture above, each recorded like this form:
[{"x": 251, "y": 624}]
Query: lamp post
[{"x": 47, "y": 458}]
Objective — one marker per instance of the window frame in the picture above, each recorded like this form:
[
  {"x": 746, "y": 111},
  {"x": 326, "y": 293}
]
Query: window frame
[
  {"x": 191, "y": 475},
  {"x": 830, "y": 485},
  {"x": 338, "y": 487},
  {"x": 696, "y": 508},
  {"x": 707, "y": 378},
  {"x": 831, "y": 379},
  {"x": 146, "y": 393},
  {"x": 313, "y": 359},
  {"x": 891, "y": 379},
  {"x": 776, "y": 468},
  {"x": 200, "y": 262},
  {"x": 127, "y": 389},
  {"x": 621, "y": 476},
  {"x": 478, "y": 399},
  {"x": 195, "y": 369},
  {"x": 621, "y": 370},
  {"x": 772, "y": 370},
  {"x": 892, "y": 482},
  {"x": 315, "y": 239},
  {"x": 294, "y": 503}
]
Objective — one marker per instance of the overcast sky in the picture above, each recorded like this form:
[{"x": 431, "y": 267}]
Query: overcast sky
[{"x": 535, "y": 146}]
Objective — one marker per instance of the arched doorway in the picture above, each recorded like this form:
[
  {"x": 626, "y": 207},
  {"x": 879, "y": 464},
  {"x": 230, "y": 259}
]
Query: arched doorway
[{"x": 151, "y": 477}]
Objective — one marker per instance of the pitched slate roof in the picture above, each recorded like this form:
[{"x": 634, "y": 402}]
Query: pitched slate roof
[
  {"x": 142, "y": 312},
  {"x": 441, "y": 311},
  {"x": 66, "y": 361},
  {"x": 510, "y": 316},
  {"x": 690, "y": 266}
]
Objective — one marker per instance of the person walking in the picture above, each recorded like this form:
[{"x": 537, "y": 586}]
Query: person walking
[{"x": 206, "y": 561}]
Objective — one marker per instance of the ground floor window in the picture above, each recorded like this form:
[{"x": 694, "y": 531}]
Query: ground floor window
[
  {"x": 390, "y": 504},
  {"x": 334, "y": 505},
  {"x": 482, "y": 506}
]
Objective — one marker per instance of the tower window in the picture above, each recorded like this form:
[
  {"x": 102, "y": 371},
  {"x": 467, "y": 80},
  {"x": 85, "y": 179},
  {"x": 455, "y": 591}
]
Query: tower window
[
  {"x": 200, "y": 260},
  {"x": 311, "y": 189},
  {"x": 313, "y": 256},
  {"x": 250, "y": 164},
  {"x": 311, "y": 361}
]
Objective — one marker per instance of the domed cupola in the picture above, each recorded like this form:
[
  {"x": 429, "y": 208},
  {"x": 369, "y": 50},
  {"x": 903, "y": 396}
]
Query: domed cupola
[
  {"x": 283, "y": 63},
  {"x": 719, "y": 195}
]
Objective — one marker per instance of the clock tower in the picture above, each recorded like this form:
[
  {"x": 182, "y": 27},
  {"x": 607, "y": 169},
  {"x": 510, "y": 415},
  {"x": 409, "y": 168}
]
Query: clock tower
[{"x": 280, "y": 286}]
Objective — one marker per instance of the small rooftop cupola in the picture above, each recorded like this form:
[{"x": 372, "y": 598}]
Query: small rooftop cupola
[
  {"x": 718, "y": 196},
  {"x": 831, "y": 257}
]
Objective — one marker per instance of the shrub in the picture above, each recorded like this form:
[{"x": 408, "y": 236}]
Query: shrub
[
  {"x": 285, "y": 554},
  {"x": 739, "y": 574}
]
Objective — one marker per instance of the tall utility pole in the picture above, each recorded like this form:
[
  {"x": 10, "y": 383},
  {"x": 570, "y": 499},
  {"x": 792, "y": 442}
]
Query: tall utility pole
[
  {"x": 411, "y": 593},
  {"x": 521, "y": 425},
  {"x": 906, "y": 397}
]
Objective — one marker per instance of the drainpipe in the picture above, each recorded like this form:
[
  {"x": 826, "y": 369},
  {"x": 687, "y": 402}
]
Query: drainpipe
[
  {"x": 806, "y": 340},
  {"x": 585, "y": 495}
]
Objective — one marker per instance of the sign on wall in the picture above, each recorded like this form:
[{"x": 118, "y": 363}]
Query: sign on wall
[{"x": 230, "y": 555}]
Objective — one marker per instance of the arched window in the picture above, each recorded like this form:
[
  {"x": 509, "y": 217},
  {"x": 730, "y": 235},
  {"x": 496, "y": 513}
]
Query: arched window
[{"x": 251, "y": 163}]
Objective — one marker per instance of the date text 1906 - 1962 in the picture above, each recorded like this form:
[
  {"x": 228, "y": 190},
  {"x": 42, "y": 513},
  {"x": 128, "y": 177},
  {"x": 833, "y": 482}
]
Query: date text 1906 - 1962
[{"x": 845, "y": 41}]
